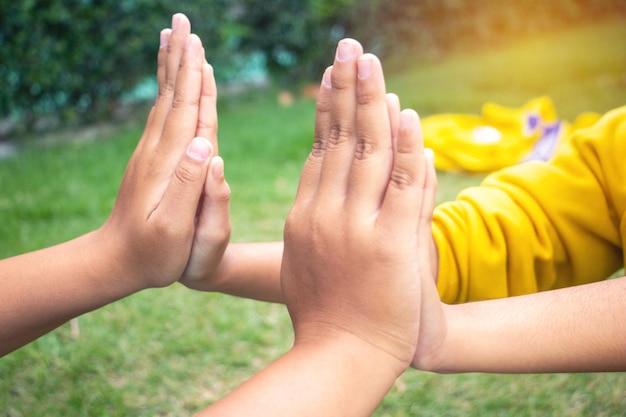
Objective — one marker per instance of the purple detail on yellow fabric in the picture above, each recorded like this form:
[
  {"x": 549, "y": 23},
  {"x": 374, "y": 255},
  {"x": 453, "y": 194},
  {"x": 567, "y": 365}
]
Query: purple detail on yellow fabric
[
  {"x": 532, "y": 123},
  {"x": 546, "y": 144}
]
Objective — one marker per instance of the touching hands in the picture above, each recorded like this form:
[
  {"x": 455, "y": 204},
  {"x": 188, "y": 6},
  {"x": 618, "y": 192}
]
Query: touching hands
[
  {"x": 151, "y": 228},
  {"x": 147, "y": 240},
  {"x": 354, "y": 242},
  {"x": 360, "y": 227}
]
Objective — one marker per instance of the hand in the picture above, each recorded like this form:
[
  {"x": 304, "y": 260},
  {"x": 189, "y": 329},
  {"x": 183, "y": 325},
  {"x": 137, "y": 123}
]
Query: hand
[
  {"x": 433, "y": 321},
  {"x": 151, "y": 227},
  {"x": 352, "y": 249},
  {"x": 207, "y": 262},
  {"x": 353, "y": 244}
]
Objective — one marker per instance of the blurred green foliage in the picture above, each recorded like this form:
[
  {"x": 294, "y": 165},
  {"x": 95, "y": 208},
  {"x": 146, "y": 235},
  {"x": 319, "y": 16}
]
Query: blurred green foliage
[
  {"x": 73, "y": 58},
  {"x": 71, "y": 61}
]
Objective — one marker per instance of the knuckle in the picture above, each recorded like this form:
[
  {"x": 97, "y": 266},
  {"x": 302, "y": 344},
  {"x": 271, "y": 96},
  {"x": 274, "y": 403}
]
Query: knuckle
[
  {"x": 168, "y": 86},
  {"x": 297, "y": 221},
  {"x": 405, "y": 148},
  {"x": 209, "y": 126},
  {"x": 164, "y": 228},
  {"x": 224, "y": 194},
  {"x": 185, "y": 174},
  {"x": 364, "y": 148},
  {"x": 402, "y": 178},
  {"x": 338, "y": 135},
  {"x": 365, "y": 98},
  {"x": 340, "y": 83},
  {"x": 319, "y": 146},
  {"x": 292, "y": 227},
  {"x": 183, "y": 99},
  {"x": 323, "y": 106}
]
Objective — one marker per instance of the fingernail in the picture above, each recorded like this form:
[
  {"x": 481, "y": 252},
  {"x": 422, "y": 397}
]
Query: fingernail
[
  {"x": 326, "y": 78},
  {"x": 194, "y": 46},
  {"x": 199, "y": 149},
  {"x": 345, "y": 50},
  {"x": 165, "y": 38},
  {"x": 406, "y": 119},
  {"x": 218, "y": 168},
  {"x": 364, "y": 66},
  {"x": 430, "y": 155},
  {"x": 175, "y": 20}
]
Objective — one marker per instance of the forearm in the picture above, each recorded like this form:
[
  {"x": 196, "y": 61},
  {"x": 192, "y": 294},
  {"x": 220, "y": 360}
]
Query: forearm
[
  {"x": 321, "y": 379},
  {"x": 252, "y": 271},
  {"x": 578, "y": 329},
  {"x": 43, "y": 289}
]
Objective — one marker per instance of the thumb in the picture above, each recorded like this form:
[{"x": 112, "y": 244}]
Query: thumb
[{"x": 182, "y": 195}]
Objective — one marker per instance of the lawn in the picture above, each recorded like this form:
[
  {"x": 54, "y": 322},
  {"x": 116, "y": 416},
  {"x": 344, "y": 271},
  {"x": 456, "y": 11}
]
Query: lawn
[{"x": 170, "y": 351}]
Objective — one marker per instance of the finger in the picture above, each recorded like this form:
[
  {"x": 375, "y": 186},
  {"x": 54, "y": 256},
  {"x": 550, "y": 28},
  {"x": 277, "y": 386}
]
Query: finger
[
  {"x": 428, "y": 199},
  {"x": 309, "y": 179},
  {"x": 393, "y": 107},
  {"x": 162, "y": 58},
  {"x": 424, "y": 231},
  {"x": 153, "y": 129},
  {"x": 207, "y": 113},
  {"x": 179, "y": 203},
  {"x": 212, "y": 231},
  {"x": 430, "y": 302},
  {"x": 340, "y": 140},
  {"x": 373, "y": 155},
  {"x": 323, "y": 114},
  {"x": 179, "y": 36},
  {"x": 182, "y": 118},
  {"x": 404, "y": 195},
  {"x": 169, "y": 60},
  {"x": 214, "y": 218}
]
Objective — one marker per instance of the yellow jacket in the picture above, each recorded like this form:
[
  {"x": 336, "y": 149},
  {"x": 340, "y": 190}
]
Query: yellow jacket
[
  {"x": 499, "y": 137},
  {"x": 539, "y": 225}
]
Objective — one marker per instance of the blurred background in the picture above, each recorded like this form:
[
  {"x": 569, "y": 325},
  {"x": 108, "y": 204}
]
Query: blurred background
[
  {"x": 76, "y": 78},
  {"x": 75, "y": 61}
]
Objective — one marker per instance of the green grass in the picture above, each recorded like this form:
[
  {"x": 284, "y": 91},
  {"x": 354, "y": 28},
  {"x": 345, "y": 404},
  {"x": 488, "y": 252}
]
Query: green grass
[{"x": 170, "y": 351}]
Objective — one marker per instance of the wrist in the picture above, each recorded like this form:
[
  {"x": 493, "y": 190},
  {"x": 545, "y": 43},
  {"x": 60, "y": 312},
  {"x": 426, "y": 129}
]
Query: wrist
[
  {"x": 113, "y": 269},
  {"x": 319, "y": 375},
  {"x": 215, "y": 278},
  {"x": 435, "y": 349},
  {"x": 372, "y": 359}
]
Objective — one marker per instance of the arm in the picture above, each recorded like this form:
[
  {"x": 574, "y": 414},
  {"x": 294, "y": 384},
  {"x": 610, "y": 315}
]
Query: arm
[
  {"x": 250, "y": 270},
  {"x": 331, "y": 377},
  {"x": 514, "y": 217},
  {"x": 147, "y": 238},
  {"x": 577, "y": 329},
  {"x": 348, "y": 271},
  {"x": 539, "y": 226}
]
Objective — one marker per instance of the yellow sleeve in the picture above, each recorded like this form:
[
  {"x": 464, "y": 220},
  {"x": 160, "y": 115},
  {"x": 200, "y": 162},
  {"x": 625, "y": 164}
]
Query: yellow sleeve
[{"x": 539, "y": 225}]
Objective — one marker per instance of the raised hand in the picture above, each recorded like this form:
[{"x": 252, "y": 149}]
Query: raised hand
[
  {"x": 212, "y": 233},
  {"x": 146, "y": 241},
  {"x": 153, "y": 221},
  {"x": 351, "y": 268}
]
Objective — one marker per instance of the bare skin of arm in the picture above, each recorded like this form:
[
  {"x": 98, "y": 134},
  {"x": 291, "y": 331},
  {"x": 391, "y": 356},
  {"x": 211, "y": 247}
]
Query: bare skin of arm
[
  {"x": 350, "y": 292},
  {"x": 146, "y": 241},
  {"x": 576, "y": 329}
]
